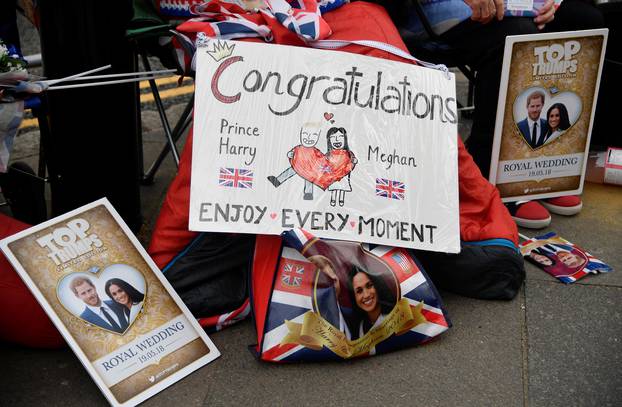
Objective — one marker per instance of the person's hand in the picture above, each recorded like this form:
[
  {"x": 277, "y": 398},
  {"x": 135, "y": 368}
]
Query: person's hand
[
  {"x": 485, "y": 10},
  {"x": 546, "y": 14},
  {"x": 326, "y": 267}
]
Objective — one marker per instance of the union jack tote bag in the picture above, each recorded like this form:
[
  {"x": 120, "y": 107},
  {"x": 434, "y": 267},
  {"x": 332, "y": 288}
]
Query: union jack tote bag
[{"x": 317, "y": 300}]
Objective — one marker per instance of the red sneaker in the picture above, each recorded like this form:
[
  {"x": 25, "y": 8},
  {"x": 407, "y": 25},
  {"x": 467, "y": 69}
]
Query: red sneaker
[
  {"x": 563, "y": 205},
  {"x": 529, "y": 214}
]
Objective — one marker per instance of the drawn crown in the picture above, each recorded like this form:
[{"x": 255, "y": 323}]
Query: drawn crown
[{"x": 221, "y": 50}]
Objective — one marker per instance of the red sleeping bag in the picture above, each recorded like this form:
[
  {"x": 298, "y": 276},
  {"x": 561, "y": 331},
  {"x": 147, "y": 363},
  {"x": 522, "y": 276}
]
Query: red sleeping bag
[
  {"x": 186, "y": 255},
  {"x": 22, "y": 319}
]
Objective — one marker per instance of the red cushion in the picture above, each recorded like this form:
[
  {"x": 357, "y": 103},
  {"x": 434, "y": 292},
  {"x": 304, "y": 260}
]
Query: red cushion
[{"x": 22, "y": 320}]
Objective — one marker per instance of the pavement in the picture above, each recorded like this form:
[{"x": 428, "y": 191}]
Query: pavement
[{"x": 553, "y": 345}]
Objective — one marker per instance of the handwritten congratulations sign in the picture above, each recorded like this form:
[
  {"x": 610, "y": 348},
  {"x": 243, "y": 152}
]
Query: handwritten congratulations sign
[
  {"x": 549, "y": 85},
  {"x": 349, "y": 147}
]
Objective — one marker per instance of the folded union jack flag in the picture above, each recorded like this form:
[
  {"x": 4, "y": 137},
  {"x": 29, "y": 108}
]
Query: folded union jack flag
[
  {"x": 235, "y": 177},
  {"x": 387, "y": 188}
]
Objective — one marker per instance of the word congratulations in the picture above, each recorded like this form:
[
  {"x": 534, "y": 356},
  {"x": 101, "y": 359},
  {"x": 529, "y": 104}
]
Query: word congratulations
[
  {"x": 556, "y": 58},
  {"x": 347, "y": 89},
  {"x": 68, "y": 243}
]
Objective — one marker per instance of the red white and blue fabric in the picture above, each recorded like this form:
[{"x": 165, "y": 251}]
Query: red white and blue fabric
[
  {"x": 289, "y": 303},
  {"x": 387, "y": 188},
  {"x": 218, "y": 322},
  {"x": 235, "y": 178},
  {"x": 227, "y": 19},
  {"x": 181, "y": 9}
]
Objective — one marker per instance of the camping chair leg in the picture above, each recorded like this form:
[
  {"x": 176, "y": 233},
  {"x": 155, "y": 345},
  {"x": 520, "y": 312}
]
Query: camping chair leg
[
  {"x": 184, "y": 121},
  {"x": 44, "y": 135},
  {"x": 471, "y": 94},
  {"x": 161, "y": 112}
]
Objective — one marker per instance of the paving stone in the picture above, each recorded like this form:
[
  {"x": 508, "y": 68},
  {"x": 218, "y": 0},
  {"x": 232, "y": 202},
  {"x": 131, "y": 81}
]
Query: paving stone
[
  {"x": 575, "y": 344},
  {"x": 32, "y": 377},
  {"x": 597, "y": 229},
  {"x": 477, "y": 362}
]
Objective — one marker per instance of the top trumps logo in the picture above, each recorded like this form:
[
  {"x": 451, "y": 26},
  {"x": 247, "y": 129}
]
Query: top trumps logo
[
  {"x": 556, "y": 58},
  {"x": 68, "y": 243}
]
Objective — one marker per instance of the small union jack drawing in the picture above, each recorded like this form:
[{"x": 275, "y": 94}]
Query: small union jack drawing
[
  {"x": 235, "y": 177},
  {"x": 390, "y": 189},
  {"x": 292, "y": 275}
]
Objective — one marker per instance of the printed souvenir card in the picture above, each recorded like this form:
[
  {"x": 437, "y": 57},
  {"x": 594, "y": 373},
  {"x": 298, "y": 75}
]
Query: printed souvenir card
[
  {"x": 525, "y": 8},
  {"x": 345, "y": 146},
  {"x": 112, "y": 305},
  {"x": 547, "y": 99}
]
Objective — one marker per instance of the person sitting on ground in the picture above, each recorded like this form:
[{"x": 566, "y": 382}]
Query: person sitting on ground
[{"x": 476, "y": 30}]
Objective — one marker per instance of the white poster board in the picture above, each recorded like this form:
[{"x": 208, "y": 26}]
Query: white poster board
[
  {"x": 550, "y": 80},
  {"x": 346, "y": 146}
]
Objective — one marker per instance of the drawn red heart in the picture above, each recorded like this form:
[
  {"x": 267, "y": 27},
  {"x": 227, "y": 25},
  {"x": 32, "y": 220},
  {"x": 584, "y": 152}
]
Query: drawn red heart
[
  {"x": 352, "y": 223},
  {"x": 340, "y": 163},
  {"x": 314, "y": 166},
  {"x": 328, "y": 116},
  {"x": 273, "y": 215}
]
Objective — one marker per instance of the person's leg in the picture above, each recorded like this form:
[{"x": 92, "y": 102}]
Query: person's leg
[
  {"x": 282, "y": 177},
  {"x": 308, "y": 191},
  {"x": 576, "y": 15},
  {"x": 481, "y": 47},
  {"x": 484, "y": 272},
  {"x": 572, "y": 15}
]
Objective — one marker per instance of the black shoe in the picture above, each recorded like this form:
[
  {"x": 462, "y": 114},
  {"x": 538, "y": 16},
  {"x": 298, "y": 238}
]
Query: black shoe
[
  {"x": 308, "y": 196},
  {"x": 274, "y": 180},
  {"x": 25, "y": 193}
]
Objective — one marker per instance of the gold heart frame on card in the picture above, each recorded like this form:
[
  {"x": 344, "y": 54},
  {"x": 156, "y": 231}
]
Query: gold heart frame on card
[
  {"x": 120, "y": 289},
  {"x": 559, "y": 111}
]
